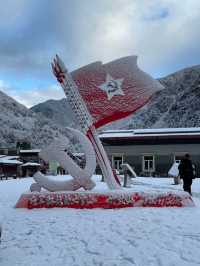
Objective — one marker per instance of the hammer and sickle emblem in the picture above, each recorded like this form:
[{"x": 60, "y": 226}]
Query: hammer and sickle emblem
[
  {"x": 113, "y": 86},
  {"x": 81, "y": 176}
]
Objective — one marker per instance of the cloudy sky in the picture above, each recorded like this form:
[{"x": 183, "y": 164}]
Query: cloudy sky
[{"x": 163, "y": 33}]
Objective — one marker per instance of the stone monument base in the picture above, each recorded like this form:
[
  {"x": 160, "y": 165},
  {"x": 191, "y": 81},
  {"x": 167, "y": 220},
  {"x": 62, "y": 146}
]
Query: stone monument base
[{"x": 106, "y": 200}]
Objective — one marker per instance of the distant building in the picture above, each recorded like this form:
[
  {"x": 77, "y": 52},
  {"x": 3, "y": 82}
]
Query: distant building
[
  {"x": 23, "y": 163},
  {"x": 8, "y": 151},
  {"x": 31, "y": 161},
  {"x": 151, "y": 152},
  {"x": 30, "y": 155},
  {"x": 29, "y": 169},
  {"x": 9, "y": 166}
]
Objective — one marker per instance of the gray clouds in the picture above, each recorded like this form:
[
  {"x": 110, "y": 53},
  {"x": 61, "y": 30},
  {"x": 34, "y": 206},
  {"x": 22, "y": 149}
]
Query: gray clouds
[
  {"x": 163, "y": 33},
  {"x": 31, "y": 32}
]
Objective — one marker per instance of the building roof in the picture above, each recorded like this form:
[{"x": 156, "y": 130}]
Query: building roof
[
  {"x": 30, "y": 151},
  {"x": 147, "y": 132},
  {"x": 151, "y": 136},
  {"x": 31, "y": 164},
  {"x": 5, "y": 160},
  {"x": 11, "y": 157}
]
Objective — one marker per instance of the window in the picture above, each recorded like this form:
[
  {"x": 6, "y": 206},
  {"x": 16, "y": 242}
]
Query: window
[
  {"x": 148, "y": 163},
  {"x": 117, "y": 161}
]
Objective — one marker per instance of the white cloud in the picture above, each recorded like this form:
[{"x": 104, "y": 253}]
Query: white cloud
[
  {"x": 3, "y": 84},
  {"x": 33, "y": 96},
  {"x": 161, "y": 32},
  {"x": 36, "y": 95}
]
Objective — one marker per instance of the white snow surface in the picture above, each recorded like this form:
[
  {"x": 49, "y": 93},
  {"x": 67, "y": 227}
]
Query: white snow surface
[{"x": 122, "y": 237}]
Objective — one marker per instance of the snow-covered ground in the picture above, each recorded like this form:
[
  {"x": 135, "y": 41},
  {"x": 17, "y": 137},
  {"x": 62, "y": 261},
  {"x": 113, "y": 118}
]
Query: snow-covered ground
[{"x": 124, "y": 237}]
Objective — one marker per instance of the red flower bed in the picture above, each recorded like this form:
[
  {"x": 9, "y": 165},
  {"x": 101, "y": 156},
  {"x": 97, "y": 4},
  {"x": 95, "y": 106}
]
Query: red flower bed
[{"x": 90, "y": 200}]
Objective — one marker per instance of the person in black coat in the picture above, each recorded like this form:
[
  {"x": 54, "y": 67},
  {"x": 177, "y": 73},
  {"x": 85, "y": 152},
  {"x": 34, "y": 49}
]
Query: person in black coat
[{"x": 186, "y": 172}]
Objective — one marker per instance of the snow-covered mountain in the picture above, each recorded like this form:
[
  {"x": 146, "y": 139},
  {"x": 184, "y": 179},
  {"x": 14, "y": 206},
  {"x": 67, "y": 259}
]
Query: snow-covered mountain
[
  {"x": 19, "y": 123},
  {"x": 178, "y": 105},
  {"x": 58, "y": 111}
]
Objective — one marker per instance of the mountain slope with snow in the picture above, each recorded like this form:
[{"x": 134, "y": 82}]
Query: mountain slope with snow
[
  {"x": 59, "y": 111},
  {"x": 178, "y": 105},
  {"x": 19, "y": 123}
]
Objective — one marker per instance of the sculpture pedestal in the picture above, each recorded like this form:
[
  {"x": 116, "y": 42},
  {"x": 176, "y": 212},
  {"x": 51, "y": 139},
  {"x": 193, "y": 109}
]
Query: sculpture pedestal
[{"x": 106, "y": 200}]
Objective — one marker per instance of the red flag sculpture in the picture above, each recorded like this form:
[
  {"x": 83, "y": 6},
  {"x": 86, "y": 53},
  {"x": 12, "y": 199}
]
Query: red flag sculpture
[
  {"x": 99, "y": 94},
  {"x": 115, "y": 90}
]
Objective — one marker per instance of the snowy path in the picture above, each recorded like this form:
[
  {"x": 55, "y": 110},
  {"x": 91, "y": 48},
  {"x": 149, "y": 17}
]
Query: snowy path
[{"x": 133, "y": 236}]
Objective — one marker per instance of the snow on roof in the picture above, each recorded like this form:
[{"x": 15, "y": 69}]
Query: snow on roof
[
  {"x": 8, "y": 161},
  {"x": 30, "y": 164},
  {"x": 30, "y": 151},
  {"x": 116, "y": 134},
  {"x": 168, "y": 130},
  {"x": 78, "y": 153},
  {"x": 11, "y": 157},
  {"x": 149, "y": 132}
]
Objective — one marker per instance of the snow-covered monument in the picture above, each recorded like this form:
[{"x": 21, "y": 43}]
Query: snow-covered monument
[{"x": 98, "y": 94}]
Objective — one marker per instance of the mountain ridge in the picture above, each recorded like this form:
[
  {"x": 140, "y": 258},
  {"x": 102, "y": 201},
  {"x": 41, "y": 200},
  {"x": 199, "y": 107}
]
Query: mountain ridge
[
  {"x": 20, "y": 123},
  {"x": 178, "y": 105},
  {"x": 161, "y": 110}
]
